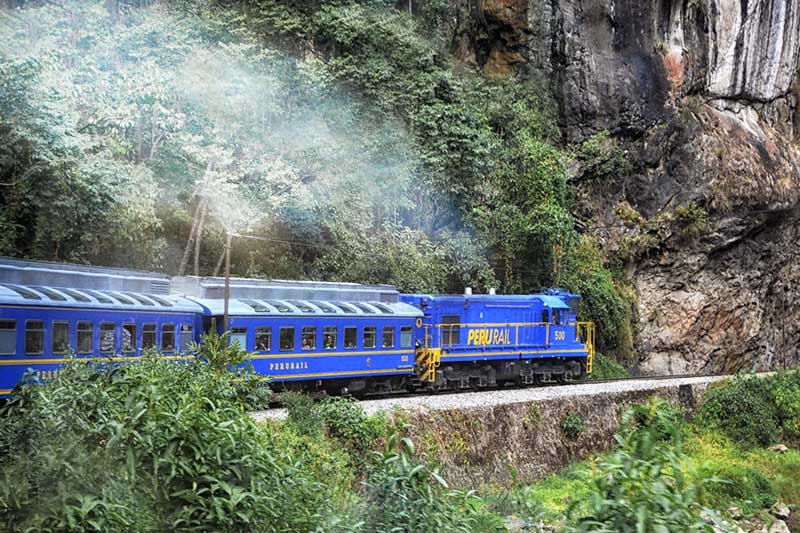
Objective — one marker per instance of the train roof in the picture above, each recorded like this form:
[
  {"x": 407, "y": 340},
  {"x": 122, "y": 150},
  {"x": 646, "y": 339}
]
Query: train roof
[
  {"x": 550, "y": 300},
  {"x": 307, "y": 308},
  {"x": 40, "y": 295},
  {"x": 275, "y": 289},
  {"x": 50, "y": 274}
]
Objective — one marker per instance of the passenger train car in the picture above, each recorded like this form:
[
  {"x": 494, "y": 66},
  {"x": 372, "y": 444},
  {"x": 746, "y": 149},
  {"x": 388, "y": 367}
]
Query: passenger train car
[{"x": 340, "y": 338}]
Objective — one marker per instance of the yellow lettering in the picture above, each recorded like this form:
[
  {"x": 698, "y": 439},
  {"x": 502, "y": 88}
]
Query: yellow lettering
[{"x": 470, "y": 336}]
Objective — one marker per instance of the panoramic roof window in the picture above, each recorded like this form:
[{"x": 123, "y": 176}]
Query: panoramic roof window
[
  {"x": 161, "y": 301},
  {"x": 304, "y": 307},
  {"x": 258, "y": 307},
  {"x": 142, "y": 300},
  {"x": 120, "y": 298},
  {"x": 364, "y": 308},
  {"x": 22, "y": 291},
  {"x": 75, "y": 294},
  {"x": 50, "y": 293},
  {"x": 99, "y": 297},
  {"x": 280, "y": 306},
  {"x": 344, "y": 307},
  {"x": 325, "y": 307},
  {"x": 382, "y": 308}
]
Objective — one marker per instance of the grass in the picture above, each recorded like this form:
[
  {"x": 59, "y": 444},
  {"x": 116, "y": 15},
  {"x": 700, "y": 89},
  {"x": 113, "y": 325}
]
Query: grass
[
  {"x": 709, "y": 454},
  {"x": 713, "y": 453}
]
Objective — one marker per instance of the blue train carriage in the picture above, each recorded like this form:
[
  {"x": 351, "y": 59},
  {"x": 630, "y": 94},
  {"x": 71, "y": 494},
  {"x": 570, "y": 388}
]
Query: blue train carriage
[
  {"x": 487, "y": 340},
  {"x": 336, "y": 346},
  {"x": 42, "y": 326}
]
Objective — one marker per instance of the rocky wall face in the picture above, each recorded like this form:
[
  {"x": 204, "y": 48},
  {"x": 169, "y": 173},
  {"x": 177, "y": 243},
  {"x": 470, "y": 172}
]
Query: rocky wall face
[
  {"x": 703, "y": 97},
  {"x": 524, "y": 442}
]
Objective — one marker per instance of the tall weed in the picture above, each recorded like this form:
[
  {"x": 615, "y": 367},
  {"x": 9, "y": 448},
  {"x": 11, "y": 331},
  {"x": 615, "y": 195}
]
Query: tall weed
[{"x": 642, "y": 485}]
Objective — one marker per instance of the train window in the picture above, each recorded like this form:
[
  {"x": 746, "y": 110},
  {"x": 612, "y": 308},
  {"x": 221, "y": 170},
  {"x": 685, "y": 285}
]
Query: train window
[
  {"x": 120, "y": 298},
  {"x": 238, "y": 336},
  {"x": 50, "y": 293},
  {"x": 405, "y": 337},
  {"x": 99, "y": 297},
  {"x": 142, "y": 300},
  {"x": 308, "y": 338},
  {"x": 325, "y": 307},
  {"x": 85, "y": 337},
  {"x": 387, "y": 337},
  {"x": 329, "y": 335},
  {"x": 160, "y": 301},
  {"x": 286, "y": 339},
  {"x": 22, "y": 291},
  {"x": 34, "y": 337},
  {"x": 60, "y": 337},
  {"x": 382, "y": 308},
  {"x": 558, "y": 316},
  {"x": 350, "y": 337},
  {"x": 304, "y": 307},
  {"x": 8, "y": 337},
  {"x": 108, "y": 338},
  {"x": 451, "y": 330},
  {"x": 263, "y": 339},
  {"x": 366, "y": 309},
  {"x": 168, "y": 338},
  {"x": 258, "y": 307},
  {"x": 148, "y": 336},
  {"x": 187, "y": 337},
  {"x": 75, "y": 294},
  {"x": 128, "y": 338},
  {"x": 574, "y": 305},
  {"x": 545, "y": 316},
  {"x": 344, "y": 307},
  {"x": 370, "y": 332},
  {"x": 280, "y": 306}
]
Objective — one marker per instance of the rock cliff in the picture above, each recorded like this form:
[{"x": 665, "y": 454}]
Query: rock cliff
[{"x": 700, "y": 99}]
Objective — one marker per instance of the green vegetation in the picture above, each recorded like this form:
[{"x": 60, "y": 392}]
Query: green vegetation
[
  {"x": 664, "y": 471},
  {"x": 755, "y": 411},
  {"x": 642, "y": 485},
  {"x": 139, "y": 136},
  {"x": 572, "y": 425},
  {"x": 155, "y": 445},
  {"x": 604, "y": 367}
]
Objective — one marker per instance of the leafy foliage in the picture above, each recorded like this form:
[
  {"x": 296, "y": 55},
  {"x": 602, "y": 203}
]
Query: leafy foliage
[
  {"x": 404, "y": 494},
  {"x": 642, "y": 485},
  {"x": 604, "y": 367},
  {"x": 753, "y": 410},
  {"x": 149, "y": 445},
  {"x": 742, "y": 409},
  {"x": 572, "y": 425}
]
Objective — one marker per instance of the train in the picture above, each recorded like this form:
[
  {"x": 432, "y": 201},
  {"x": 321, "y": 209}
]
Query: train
[{"x": 336, "y": 338}]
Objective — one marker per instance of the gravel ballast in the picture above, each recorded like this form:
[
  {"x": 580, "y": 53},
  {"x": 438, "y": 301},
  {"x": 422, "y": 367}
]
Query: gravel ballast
[{"x": 490, "y": 398}]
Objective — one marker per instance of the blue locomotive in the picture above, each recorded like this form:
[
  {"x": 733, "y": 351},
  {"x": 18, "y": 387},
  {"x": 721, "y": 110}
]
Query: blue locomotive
[{"x": 337, "y": 337}]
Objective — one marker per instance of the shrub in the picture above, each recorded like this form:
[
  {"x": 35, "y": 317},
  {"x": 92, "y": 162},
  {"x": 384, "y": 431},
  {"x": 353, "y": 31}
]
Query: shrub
[
  {"x": 604, "y": 367},
  {"x": 658, "y": 419},
  {"x": 572, "y": 425},
  {"x": 341, "y": 419},
  {"x": 785, "y": 394},
  {"x": 642, "y": 485},
  {"x": 737, "y": 484},
  {"x": 742, "y": 409},
  {"x": 151, "y": 445},
  {"x": 405, "y": 494}
]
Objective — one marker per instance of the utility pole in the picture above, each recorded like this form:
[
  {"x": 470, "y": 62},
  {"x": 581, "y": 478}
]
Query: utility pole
[{"x": 228, "y": 237}]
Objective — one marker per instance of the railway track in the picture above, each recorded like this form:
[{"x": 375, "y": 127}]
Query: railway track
[{"x": 498, "y": 395}]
